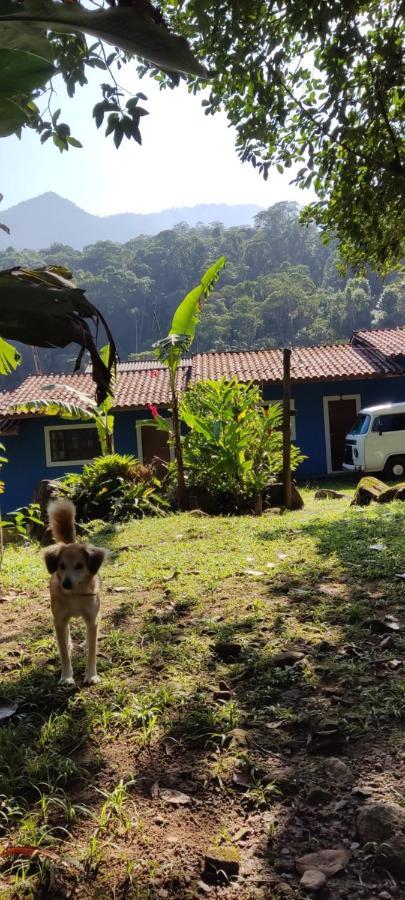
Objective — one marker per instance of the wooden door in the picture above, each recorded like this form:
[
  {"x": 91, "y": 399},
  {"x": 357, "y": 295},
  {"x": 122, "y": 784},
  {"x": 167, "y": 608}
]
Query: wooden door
[
  {"x": 155, "y": 446},
  {"x": 342, "y": 414}
]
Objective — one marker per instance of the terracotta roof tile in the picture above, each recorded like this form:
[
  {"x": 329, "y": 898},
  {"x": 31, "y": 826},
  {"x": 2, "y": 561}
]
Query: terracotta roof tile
[
  {"x": 307, "y": 364},
  {"x": 369, "y": 354},
  {"x": 389, "y": 341},
  {"x": 134, "y": 388}
]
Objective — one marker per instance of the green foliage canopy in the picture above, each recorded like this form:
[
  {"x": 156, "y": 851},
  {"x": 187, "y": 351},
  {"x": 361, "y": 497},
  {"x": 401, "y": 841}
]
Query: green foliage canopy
[
  {"x": 280, "y": 285},
  {"x": 317, "y": 86}
]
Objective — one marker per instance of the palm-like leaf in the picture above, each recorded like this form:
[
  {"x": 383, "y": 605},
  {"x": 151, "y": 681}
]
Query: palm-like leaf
[
  {"x": 44, "y": 308},
  {"x": 126, "y": 27},
  {"x": 44, "y": 407},
  {"x": 188, "y": 313},
  {"x": 9, "y": 358},
  {"x": 185, "y": 320}
]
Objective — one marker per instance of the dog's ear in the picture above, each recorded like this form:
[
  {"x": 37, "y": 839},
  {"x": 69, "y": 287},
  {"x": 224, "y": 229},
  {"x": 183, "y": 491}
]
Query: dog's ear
[
  {"x": 95, "y": 557},
  {"x": 51, "y": 558}
]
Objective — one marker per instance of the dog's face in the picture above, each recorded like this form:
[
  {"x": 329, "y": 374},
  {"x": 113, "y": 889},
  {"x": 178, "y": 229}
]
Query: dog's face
[{"x": 74, "y": 564}]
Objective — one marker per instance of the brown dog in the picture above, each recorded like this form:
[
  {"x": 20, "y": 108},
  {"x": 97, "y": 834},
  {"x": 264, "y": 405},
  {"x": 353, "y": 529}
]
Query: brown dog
[{"x": 74, "y": 587}]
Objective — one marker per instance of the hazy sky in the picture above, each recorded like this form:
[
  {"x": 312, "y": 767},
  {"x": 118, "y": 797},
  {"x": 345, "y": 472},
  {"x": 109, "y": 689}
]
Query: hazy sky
[{"x": 186, "y": 158}]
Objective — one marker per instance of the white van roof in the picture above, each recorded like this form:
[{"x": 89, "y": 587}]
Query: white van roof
[{"x": 384, "y": 407}]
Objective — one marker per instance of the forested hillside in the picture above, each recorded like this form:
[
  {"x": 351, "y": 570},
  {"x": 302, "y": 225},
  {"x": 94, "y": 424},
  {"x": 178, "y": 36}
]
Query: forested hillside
[{"x": 280, "y": 285}]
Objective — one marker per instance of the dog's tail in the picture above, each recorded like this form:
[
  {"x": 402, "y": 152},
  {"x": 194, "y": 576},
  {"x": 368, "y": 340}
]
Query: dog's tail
[{"x": 61, "y": 515}]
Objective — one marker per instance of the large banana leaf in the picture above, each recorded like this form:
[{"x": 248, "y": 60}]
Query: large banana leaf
[
  {"x": 9, "y": 358},
  {"x": 45, "y": 407},
  {"x": 169, "y": 350},
  {"x": 188, "y": 313},
  {"x": 126, "y": 27},
  {"x": 44, "y": 308}
]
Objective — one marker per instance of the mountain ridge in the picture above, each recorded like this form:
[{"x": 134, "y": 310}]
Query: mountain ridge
[{"x": 41, "y": 221}]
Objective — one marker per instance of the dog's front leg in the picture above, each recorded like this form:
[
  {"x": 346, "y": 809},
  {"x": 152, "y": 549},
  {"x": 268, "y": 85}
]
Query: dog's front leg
[
  {"x": 64, "y": 644},
  {"x": 91, "y": 676}
]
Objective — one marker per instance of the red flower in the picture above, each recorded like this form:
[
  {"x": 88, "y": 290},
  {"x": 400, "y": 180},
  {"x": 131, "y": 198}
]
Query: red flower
[
  {"x": 153, "y": 373},
  {"x": 153, "y": 410}
]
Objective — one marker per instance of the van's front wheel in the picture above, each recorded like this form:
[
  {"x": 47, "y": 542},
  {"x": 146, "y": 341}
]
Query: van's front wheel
[{"x": 395, "y": 468}]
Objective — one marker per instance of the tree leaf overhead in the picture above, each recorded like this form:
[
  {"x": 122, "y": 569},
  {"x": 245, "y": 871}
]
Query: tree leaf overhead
[
  {"x": 44, "y": 308},
  {"x": 316, "y": 90},
  {"x": 21, "y": 71},
  {"x": 129, "y": 28}
]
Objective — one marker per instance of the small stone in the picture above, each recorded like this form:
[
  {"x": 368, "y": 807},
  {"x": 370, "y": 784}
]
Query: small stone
[
  {"x": 327, "y": 494},
  {"x": 220, "y": 864},
  {"x": 222, "y": 695},
  {"x": 317, "y": 796},
  {"x": 382, "y": 626},
  {"x": 338, "y": 771},
  {"x": 242, "y": 834},
  {"x": 327, "y": 861},
  {"x": 174, "y": 798},
  {"x": 379, "y": 821},
  {"x": 313, "y": 880},
  {"x": 228, "y": 651},
  {"x": 287, "y": 658},
  {"x": 238, "y": 738}
]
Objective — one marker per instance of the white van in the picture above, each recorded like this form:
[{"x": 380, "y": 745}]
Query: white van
[{"x": 376, "y": 441}]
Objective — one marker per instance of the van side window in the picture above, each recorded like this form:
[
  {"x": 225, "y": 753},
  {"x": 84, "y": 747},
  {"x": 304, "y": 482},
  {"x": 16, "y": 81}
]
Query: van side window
[{"x": 389, "y": 423}]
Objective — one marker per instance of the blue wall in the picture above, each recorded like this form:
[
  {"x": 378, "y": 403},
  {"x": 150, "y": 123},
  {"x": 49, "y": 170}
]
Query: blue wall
[
  {"x": 26, "y": 451},
  {"x": 309, "y": 417}
]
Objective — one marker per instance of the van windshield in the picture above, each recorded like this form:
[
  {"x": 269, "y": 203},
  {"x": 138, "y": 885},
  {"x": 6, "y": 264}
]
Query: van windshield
[{"x": 361, "y": 424}]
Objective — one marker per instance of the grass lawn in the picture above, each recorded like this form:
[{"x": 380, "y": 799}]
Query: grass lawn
[{"x": 199, "y": 739}]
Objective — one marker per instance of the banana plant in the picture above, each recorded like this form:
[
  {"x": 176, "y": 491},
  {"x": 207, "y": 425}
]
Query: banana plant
[
  {"x": 82, "y": 407},
  {"x": 44, "y": 308},
  {"x": 170, "y": 350}
]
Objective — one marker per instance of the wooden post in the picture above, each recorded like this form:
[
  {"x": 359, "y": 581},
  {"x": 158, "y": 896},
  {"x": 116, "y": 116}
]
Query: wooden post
[{"x": 287, "y": 483}]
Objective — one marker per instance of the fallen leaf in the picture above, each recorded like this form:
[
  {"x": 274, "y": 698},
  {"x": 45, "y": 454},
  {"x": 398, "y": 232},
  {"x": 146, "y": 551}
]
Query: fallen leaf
[
  {"x": 270, "y": 565},
  {"x": 377, "y": 547},
  {"x": 242, "y": 780},
  {"x": 253, "y": 572},
  {"x": 282, "y": 555},
  {"x": 174, "y": 574},
  {"x": 327, "y": 861},
  {"x": 120, "y": 590},
  {"x": 28, "y": 851},
  {"x": 7, "y": 709},
  {"x": 175, "y": 798}
]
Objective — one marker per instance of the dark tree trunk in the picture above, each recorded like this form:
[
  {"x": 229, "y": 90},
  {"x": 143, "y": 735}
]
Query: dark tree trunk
[{"x": 287, "y": 482}]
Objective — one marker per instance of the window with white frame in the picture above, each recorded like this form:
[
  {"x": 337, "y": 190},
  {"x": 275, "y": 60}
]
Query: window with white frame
[
  {"x": 292, "y": 417},
  {"x": 75, "y": 444}
]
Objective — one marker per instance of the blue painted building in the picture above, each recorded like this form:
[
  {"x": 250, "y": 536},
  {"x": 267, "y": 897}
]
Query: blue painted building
[{"x": 329, "y": 385}]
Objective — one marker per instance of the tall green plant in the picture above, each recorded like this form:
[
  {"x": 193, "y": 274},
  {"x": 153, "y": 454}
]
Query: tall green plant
[
  {"x": 234, "y": 445},
  {"x": 170, "y": 349}
]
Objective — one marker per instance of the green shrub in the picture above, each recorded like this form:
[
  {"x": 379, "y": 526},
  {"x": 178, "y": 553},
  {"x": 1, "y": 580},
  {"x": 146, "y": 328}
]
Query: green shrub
[
  {"x": 114, "y": 488},
  {"x": 234, "y": 446}
]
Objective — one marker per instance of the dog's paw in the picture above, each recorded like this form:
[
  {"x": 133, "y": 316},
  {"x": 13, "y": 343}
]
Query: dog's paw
[
  {"x": 67, "y": 681},
  {"x": 91, "y": 679}
]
